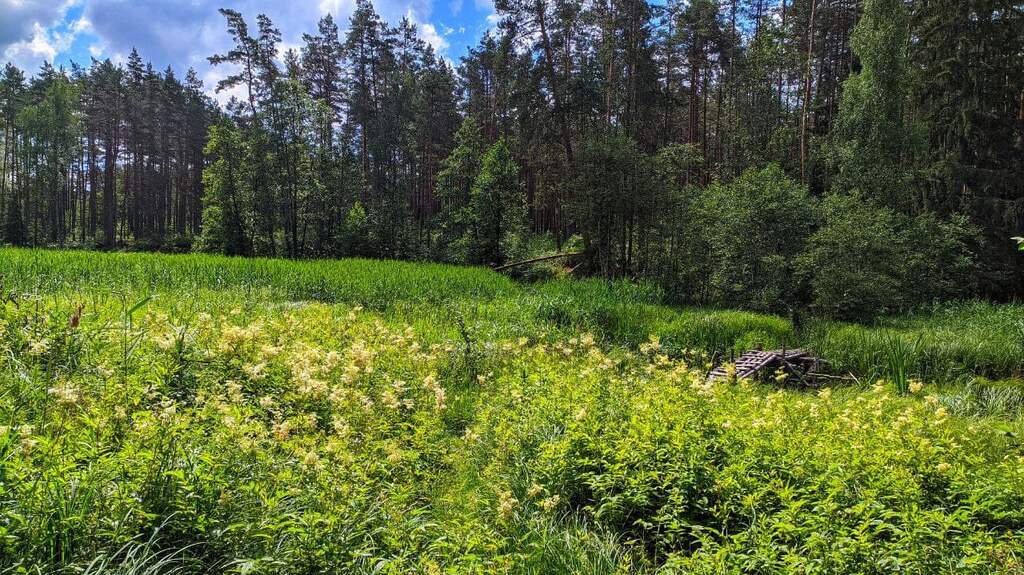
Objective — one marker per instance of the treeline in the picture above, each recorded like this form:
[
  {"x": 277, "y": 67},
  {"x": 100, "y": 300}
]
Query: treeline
[
  {"x": 860, "y": 156},
  {"x": 104, "y": 156}
]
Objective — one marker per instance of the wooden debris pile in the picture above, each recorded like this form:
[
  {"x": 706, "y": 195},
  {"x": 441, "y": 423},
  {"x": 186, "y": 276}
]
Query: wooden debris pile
[{"x": 783, "y": 366}]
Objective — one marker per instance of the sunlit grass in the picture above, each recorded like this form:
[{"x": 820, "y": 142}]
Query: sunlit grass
[{"x": 171, "y": 414}]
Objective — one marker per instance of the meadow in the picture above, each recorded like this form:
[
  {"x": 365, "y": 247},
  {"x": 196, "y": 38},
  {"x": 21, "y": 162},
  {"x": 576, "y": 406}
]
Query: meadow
[{"x": 202, "y": 414}]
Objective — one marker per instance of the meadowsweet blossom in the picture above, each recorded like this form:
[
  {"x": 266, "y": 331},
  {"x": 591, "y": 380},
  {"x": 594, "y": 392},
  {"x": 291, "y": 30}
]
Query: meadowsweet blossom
[
  {"x": 38, "y": 346},
  {"x": 65, "y": 393},
  {"x": 281, "y": 430},
  {"x": 651, "y": 346},
  {"x": 550, "y": 503},
  {"x": 506, "y": 504},
  {"x": 431, "y": 384}
]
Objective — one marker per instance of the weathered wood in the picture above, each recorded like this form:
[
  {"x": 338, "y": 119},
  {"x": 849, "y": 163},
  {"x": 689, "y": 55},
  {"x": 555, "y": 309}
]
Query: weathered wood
[
  {"x": 536, "y": 260},
  {"x": 749, "y": 364}
]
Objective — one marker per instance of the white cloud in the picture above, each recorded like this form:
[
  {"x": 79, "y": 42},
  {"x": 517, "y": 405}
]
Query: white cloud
[
  {"x": 428, "y": 32},
  {"x": 44, "y": 45},
  {"x": 30, "y": 31}
]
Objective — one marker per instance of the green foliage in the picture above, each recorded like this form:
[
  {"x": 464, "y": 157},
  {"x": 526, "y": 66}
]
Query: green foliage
[
  {"x": 867, "y": 260},
  {"x": 614, "y": 193},
  {"x": 499, "y": 208},
  {"x": 196, "y": 414},
  {"x": 455, "y": 220},
  {"x": 755, "y": 227},
  {"x": 226, "y": 215},
  {"x": 873, "y": 142},
  {"x": 357, "y": 237}
]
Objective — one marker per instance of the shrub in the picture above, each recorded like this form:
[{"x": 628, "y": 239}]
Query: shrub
[
  {"x": 868, "y": 260},
  {"x": 755, "y": 228}
]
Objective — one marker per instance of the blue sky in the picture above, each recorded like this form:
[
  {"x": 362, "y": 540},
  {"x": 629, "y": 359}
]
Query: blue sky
[{"x": 182, "y": 33}]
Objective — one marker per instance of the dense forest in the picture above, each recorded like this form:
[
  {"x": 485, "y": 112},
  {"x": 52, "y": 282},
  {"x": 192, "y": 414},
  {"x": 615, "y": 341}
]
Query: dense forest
[{"x": 854, "y": 156}]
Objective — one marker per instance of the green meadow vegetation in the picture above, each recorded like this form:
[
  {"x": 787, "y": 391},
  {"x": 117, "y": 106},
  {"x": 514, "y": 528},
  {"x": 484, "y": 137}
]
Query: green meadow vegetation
[{"x": 199, "y": 414}]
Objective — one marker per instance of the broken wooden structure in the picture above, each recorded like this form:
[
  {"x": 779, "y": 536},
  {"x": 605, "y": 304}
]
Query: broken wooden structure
[{"x": 797, "y": 366}]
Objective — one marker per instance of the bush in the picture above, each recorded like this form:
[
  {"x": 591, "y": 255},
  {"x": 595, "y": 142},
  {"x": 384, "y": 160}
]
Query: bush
[
  {"x": 868, "y": 260},
  {"x": 755, "y": 227}
]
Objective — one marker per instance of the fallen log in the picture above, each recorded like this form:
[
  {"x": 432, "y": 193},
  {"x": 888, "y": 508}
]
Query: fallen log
[{"x": 536, "y": 260}]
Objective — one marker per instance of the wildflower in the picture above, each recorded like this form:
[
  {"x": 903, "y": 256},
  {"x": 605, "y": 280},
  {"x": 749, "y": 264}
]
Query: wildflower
[
  {"x": 943, "y": 467},
  {"x": 506, "y": 504},
  {"x": 587, "y": 340},
  {"x": 390, "y": 399},
  {"x": 281, "y": 430},
  {"x": 266, "y": 402},
  {"x": 311, "y": 459},
  {"x": 652, "y": 345},
  {"x": 430, "y": 382},
  {"x": 825, "y": 394},
  {"x": 65, "y": 394},
  {"x": 167, "y": 413},
  {"x": 535, "y": 490},
  {"x": 165, "y": 341},
  {"x": 341, "y": 427},
  {"x": 916, "y": 386},
  {"x": 470, "y": 436},
  {"x": 28, "y": 442},
  {"x": 38, "y": 346},
  {"x": 255, "y": 372},
  {"x": 550, "y": 503}
]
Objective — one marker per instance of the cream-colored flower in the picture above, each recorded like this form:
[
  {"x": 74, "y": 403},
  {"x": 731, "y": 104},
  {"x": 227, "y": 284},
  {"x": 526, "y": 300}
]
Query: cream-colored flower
[
  {"x": 550, "y": 503},
  {"x": 38, "y": 346},
  {"x": 506, "y": 504},
  {"x": 65, "y": 394}
]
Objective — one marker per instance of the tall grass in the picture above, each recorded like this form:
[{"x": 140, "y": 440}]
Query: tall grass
[
  {"x": 376, "y": 284},
  {"x": 951, "y": 342},
  {"x": 900, "y": 354}
]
